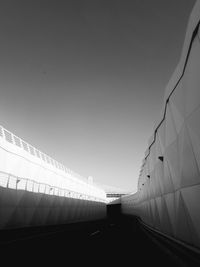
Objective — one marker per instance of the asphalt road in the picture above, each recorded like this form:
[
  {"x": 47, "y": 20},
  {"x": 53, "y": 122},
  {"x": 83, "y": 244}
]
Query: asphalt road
[{"x": 109, "y": 242}]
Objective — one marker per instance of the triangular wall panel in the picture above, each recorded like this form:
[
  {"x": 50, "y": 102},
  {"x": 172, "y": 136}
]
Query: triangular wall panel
[
  {"x": 182, "y": 226},
  {"x": 188, "y": 165}
]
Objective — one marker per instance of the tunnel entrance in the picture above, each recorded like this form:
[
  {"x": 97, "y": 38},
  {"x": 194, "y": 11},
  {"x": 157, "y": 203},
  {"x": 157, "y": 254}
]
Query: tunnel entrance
[{"x": 114, "y": 212}]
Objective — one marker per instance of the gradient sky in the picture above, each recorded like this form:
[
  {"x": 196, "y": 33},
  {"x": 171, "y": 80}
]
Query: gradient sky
[{"x": 84, "y": 81}]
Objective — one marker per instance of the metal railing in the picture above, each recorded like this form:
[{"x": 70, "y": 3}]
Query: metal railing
[
  {"x": 17, "y": 141},
  {"x": 17, "y": 183}
]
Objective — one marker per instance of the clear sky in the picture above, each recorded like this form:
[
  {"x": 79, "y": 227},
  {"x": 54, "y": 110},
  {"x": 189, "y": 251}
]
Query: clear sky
[{"x": 84, "y": 81}]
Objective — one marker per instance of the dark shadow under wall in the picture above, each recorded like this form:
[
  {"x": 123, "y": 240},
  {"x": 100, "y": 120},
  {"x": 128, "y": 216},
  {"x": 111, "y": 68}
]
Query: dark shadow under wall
[
  {"x": 114, "y": 212},
  {"x": 117, "y": 240}
]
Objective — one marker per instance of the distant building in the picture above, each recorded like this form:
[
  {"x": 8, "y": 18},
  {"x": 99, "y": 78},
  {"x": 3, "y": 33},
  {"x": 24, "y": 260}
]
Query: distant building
[{"x": 114, "y": 195}]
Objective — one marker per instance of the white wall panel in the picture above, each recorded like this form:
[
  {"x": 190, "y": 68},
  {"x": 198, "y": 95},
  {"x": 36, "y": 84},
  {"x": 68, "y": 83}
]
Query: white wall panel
[
  {"x": 172, "y": 203},
  {"x": 34, "y": 192}
]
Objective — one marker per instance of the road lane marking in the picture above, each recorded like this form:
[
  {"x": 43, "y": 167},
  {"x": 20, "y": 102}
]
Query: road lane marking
[{"x": 96, "y": 232}]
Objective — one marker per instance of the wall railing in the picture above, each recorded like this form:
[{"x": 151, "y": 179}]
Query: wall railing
[
  {"x": 17, "y": 183},
  {"x": 17, "y": 141}
]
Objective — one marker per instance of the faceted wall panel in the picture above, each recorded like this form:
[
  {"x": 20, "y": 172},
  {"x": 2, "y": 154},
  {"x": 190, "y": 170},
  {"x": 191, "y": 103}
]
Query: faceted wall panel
[
  {"x": 168, "y": 197},
  {"x": 34, "y": 191}
]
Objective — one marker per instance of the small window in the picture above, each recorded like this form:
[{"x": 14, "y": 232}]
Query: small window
[
  {"x": 36, "y": 187},
  {"x": 47, "y": 159},
  {"x": 12, "y": 183},
  {"x": 43, "y": 156},
  {"x": 1, "y": 132},
  {"x": 17, "y": 141},
  {"x": 25, "y": 146},
  {"x": 52, "y": 161},
  {"x": 51, "y": 192},
  {"x": 42, "y": 188},
  {"x": 37, "y": 153},
  {"x": 47, "y": 189},
  {"x": 31, "y": 150},
  {"x": 56, "y": 192},
  {"x": 8, "y": 136},
  {"x": 3, "y": 180},
  {"x": 57, "y": 165},
  {"x": 29, "y": 185}
]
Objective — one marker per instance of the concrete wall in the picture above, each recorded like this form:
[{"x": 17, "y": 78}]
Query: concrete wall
[
  {"x": 168, "y": 194},
  {"x": 19, "y": 208},
  {"x": 36, "y": 190}
]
